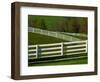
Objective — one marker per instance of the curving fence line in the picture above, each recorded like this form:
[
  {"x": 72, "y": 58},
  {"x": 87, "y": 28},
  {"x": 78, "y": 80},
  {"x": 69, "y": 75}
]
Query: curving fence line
[
  {"x": 75, "y": 34},
  {"x": 53, "y": 34}
]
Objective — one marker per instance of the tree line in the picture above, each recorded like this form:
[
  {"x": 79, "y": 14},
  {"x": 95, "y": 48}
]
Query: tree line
[{"x": 61, "y": 24}]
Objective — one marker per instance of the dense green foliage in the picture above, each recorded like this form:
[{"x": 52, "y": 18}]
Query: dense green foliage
[{"x": 59, "y": 23}]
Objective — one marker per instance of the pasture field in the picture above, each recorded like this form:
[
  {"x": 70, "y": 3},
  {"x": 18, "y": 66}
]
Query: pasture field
[
  {"x": 57, "y": 40},
  {"x": 34, "y": 38}
]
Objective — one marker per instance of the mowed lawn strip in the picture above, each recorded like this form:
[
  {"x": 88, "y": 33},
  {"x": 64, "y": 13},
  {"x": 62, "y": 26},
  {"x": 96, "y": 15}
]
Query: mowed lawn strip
[
  {"x": 76, "y": 59},
  {"x": 63, "y": 62}
]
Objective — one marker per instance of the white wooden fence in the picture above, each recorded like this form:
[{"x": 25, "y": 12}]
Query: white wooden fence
[
  {"x": 53, "y": 34},
  {"x": 57, "y": 49},
  {"x": 76, "y": 34}
]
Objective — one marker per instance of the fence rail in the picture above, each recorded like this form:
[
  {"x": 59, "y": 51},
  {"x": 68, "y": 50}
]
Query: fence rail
[
  {"x": 53, "y": 34},
  {"x": 57, "y": 49},
  {"x": 76, "y": 34}
]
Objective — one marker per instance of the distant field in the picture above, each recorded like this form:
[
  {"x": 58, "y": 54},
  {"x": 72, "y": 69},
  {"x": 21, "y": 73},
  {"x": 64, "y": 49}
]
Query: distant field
[{"x": 34, "y": 38}]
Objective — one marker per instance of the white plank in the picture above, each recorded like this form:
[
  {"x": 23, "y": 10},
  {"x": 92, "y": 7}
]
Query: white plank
[
  {"x": 75, "y": 53},
  {"x": 51, "y": 52},
  {"x": 71, "y": 46},
  {"x": 30, "y": 46},
  {"x": 32, "y": 50},
  {"x": 83, "y": 41},
  {"x": 52, "y": 48},
  {"x": 32, "y": 54},
  {"x": 47, "y": 45},
  {"x": 76, "y": 50}
]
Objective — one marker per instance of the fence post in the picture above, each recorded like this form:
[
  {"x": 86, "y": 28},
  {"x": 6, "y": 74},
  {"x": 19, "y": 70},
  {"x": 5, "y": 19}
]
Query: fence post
[
  {"x": 32, "y": 29},
  {"x": 62, "y": 49},
  {"x": 37, "y": 51},
  {"x": 86, "y": 45}
]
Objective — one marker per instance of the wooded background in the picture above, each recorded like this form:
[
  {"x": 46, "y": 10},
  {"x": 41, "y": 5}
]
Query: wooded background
[{"x": 59, "y": 23}]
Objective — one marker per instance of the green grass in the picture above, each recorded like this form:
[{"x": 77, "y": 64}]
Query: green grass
[
  {"x": 34, "y": 38},
  {"x": 67, "y": 62},
  {"x": 54, "y": 60}
]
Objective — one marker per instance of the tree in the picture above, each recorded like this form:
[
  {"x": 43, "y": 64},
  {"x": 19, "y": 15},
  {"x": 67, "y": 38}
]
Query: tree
[
  {"x": 43, "y": 25},
  {"x": 83, "y": 25},
  {"x": 76, "y": 26}
]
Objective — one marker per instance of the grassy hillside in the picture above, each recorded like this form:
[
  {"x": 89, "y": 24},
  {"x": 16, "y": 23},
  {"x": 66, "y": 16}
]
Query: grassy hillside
[{"x": 34, "y": 38}]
